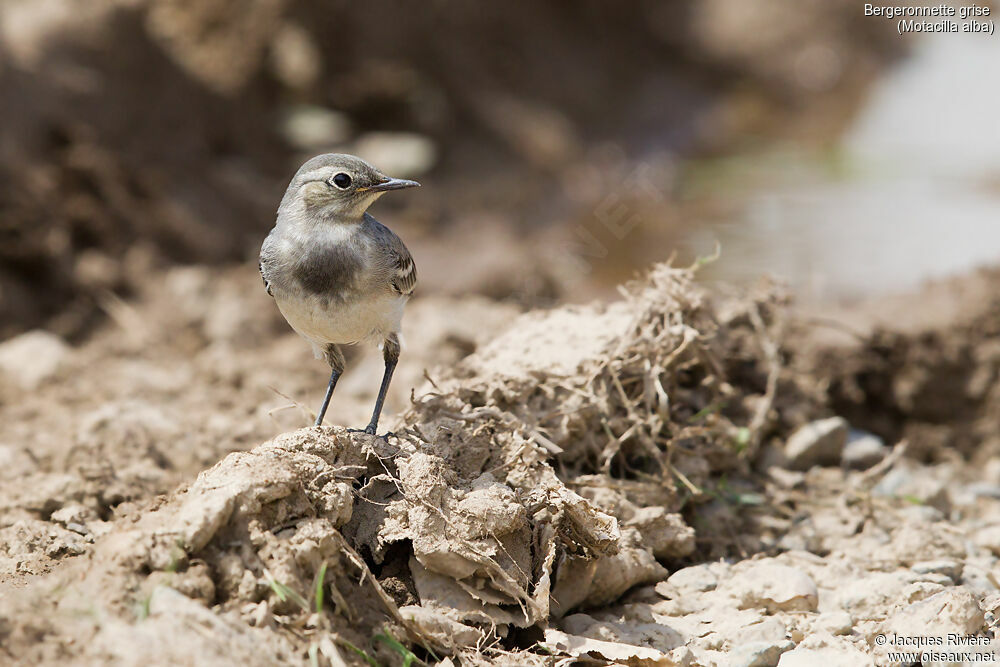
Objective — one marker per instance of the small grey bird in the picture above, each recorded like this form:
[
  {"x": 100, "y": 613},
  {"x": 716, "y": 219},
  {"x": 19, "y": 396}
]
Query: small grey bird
[{"x": 338, "y": 275}]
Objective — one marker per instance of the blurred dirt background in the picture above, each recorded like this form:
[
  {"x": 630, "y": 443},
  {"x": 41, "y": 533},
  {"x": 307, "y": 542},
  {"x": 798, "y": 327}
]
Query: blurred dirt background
[
  {"x": 699, "y": 476},
  {"x": 139, "y": 134}
]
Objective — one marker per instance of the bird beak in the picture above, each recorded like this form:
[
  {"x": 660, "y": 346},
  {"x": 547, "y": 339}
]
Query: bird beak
[{"x": 391, "y": 184}]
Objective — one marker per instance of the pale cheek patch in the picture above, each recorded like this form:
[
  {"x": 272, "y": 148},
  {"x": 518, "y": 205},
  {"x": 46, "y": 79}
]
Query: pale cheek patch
[{"x": 316, "y": 194}]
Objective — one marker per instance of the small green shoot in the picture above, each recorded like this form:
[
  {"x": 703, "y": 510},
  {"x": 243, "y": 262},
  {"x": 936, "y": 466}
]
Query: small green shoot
[
  {"x": 742, "y": 438},
  {"x": 543, "y": 648},
  {"x": 177, "y": 553},
  {"x": 708, "y": 259},
  {"x": 320, "y": 583},
  {"x": 370, "y": 660},
  {"x": 408, "y": 657},
  {"x": 706, "y": 411},
  {"x": 724, "y": 492},
  {"x": 143, "y": 611},
  {"x": 913, "y": 500},
  {"x": 748, "y": 499},
  {"x": 285, "y": 593}
]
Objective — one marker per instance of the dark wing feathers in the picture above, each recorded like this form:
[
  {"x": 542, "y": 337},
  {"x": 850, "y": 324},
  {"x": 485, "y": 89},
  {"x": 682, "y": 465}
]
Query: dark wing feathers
[
  {"x": 405, "y": 277},
  {"x": 267, "y": 285},
  {"x": 404, "y": 272}
]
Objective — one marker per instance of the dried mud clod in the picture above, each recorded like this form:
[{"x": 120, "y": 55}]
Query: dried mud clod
[{"x": 545, "y": 473}]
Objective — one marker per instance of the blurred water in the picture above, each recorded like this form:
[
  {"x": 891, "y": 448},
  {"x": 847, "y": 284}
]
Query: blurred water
[{"x": 911, "y": 192}]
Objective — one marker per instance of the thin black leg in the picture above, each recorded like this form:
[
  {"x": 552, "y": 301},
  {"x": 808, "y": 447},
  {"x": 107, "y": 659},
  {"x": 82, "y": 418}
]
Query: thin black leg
[
  {"x": 334, "y": 376},
  {"x": 390, "y": 366}
]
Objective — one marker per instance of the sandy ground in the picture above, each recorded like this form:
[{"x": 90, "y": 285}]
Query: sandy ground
[
  {"x": 671, "y": 478},
  {"x": 200, "y": 365}
]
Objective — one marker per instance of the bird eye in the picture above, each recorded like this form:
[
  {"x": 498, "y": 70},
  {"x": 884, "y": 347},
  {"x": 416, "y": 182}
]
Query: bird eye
[{"x": 342, "y": 180}]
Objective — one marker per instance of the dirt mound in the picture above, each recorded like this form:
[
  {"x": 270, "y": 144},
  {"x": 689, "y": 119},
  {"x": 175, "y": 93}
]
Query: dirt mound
[
  {"x": 196, "y": 366},
  {"x": 539, "y": 476}
]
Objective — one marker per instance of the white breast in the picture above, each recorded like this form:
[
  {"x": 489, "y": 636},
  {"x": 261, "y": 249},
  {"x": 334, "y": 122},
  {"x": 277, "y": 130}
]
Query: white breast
[{"x": 323, "y": 322}]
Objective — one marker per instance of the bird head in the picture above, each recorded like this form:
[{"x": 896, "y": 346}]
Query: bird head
[{"x": 340, "y": 186}]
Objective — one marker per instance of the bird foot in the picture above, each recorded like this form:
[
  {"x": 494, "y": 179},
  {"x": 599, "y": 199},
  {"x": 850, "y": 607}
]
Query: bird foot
[{"x": 368, "y": 430}]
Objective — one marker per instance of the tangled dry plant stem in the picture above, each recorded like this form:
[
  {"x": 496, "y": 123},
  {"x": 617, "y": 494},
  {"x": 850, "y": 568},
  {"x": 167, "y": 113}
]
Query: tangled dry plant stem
[{"x": 771, "y": 355}]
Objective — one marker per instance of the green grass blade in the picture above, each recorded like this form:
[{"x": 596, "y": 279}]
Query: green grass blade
[
  {"x": 285, "y": 593},
  {"x": 395, "y": 645},
  {"x": 370, "y": 660},
  {"x": 320, "y": 581}
]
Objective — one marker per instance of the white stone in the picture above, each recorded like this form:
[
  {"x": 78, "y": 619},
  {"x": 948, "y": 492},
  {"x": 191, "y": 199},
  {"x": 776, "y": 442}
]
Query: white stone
[
  {"x": 827, "y": 656},
  {"x": 835, "y": 622},
  {"x": 863, "y": 451},
  {"x": 762, "y": 629},
  {"x": 954, "y": 610},
  {"x": 775, "y": 587},
  {"x": 988, "y": 538},
  {"x": 758, "y": 654},
  {"x": 697, "y": 578},
  {"x": 817, "y": 443},
  {"x": 871, "y": 594},
  {"x": 949, "y": 568},
  {"x": 31, "y": 358},
  {"x": 978, "y": 578},
  {"x": 915, "y": 483}
]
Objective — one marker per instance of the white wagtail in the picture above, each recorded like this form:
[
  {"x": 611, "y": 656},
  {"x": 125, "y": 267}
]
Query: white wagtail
[{"x": 338, "y": 275}]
